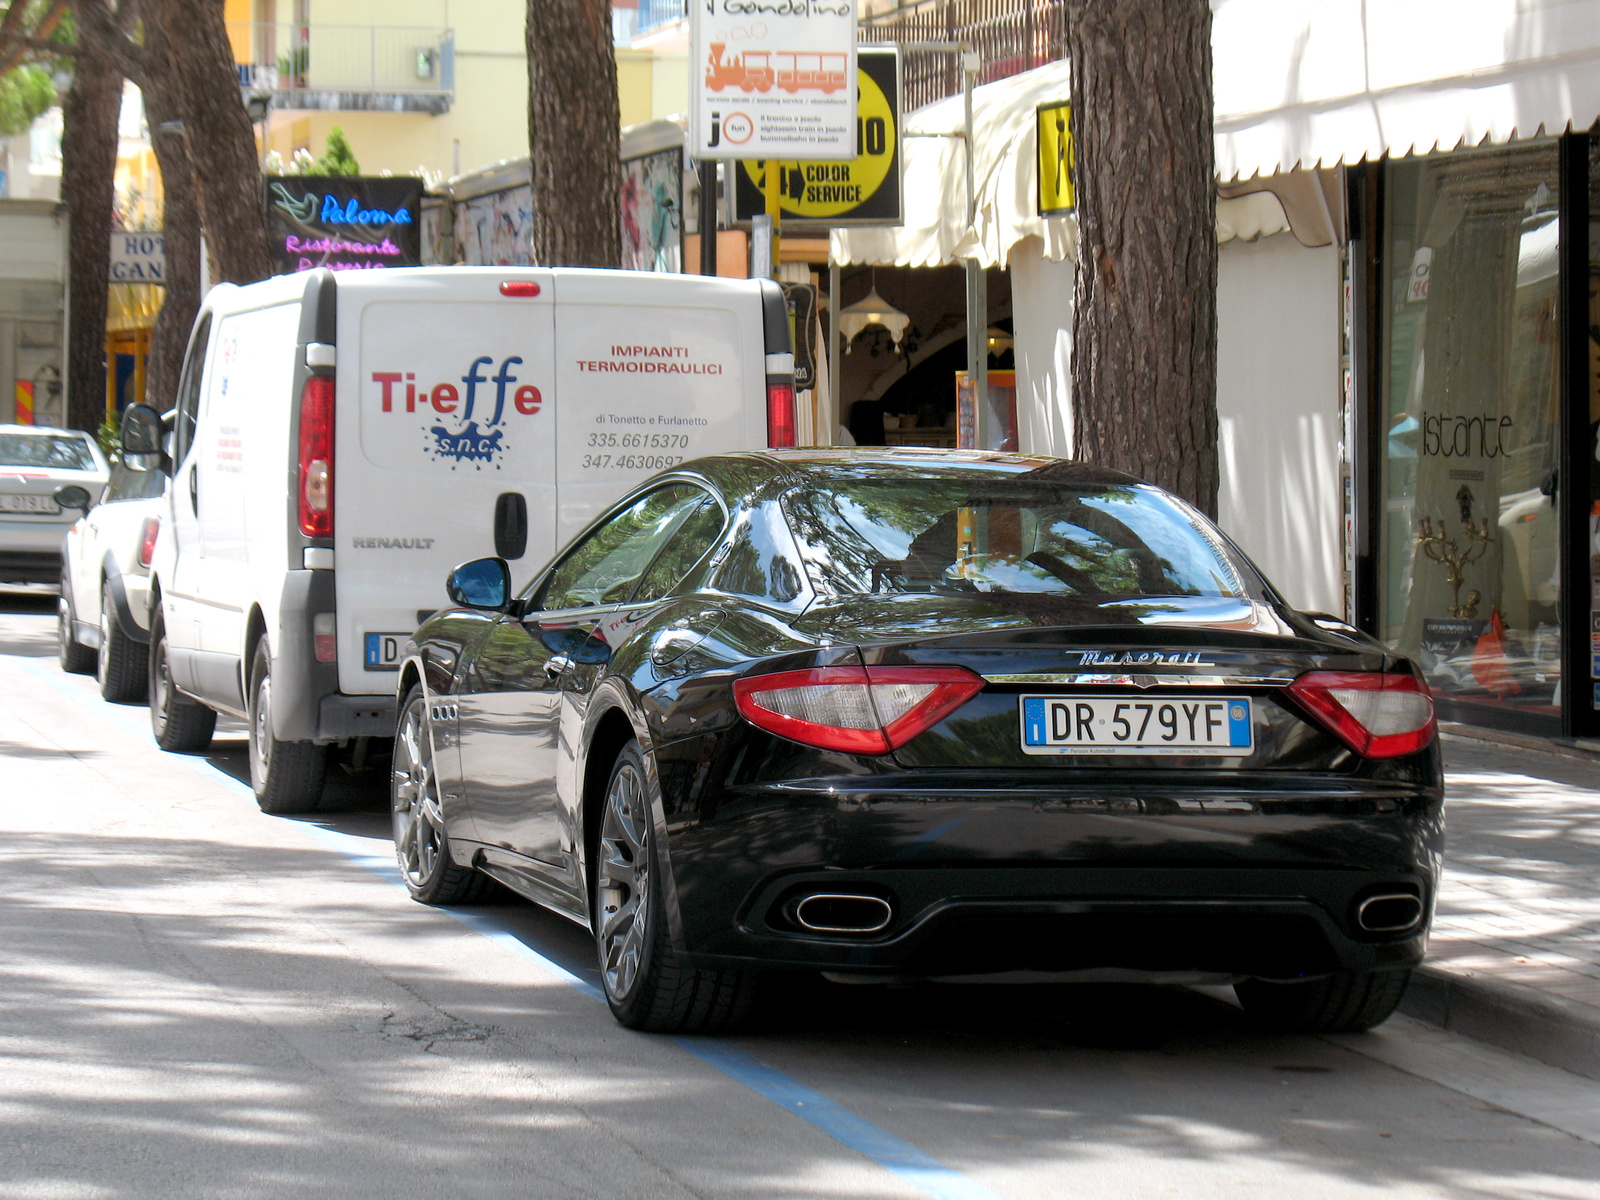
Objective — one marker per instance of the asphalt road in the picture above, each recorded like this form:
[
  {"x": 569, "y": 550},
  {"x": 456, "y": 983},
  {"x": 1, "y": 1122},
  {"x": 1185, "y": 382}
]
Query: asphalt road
[{"x": 200, "y": 1000}]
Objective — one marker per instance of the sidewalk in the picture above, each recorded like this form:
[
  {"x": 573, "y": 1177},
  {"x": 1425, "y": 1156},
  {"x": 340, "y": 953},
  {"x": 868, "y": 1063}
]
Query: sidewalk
[{"x": 1514, "y": 959}]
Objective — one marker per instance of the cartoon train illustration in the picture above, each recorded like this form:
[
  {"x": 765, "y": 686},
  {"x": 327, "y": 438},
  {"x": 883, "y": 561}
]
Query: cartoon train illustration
[{"x": 762, "y": 70}]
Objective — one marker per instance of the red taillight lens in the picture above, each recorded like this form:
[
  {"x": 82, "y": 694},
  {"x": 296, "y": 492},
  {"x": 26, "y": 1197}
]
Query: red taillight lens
[
  {"x": 870, "y": 710},
  {"x": 780, "y": 415},
  {"x": 1376, "y": 715},
  {"x": 147, "y": 540},
  {"x": 519, "y": 287},
  {"x": 316, "y": 457}
]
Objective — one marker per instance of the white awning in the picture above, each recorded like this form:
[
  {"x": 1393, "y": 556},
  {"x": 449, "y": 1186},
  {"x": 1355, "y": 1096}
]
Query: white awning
[
  {"x": 935, "y": 229},
  {"x": 1308, "y": 83}
]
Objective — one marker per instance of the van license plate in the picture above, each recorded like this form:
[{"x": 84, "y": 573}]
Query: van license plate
[
  {"x": 1216, "y": 725},
  {"x": 384, "y": 650}
]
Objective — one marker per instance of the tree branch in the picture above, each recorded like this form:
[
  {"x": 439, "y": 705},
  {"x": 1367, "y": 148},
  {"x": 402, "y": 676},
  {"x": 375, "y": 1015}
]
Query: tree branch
[{"x": 107, "y": 34}]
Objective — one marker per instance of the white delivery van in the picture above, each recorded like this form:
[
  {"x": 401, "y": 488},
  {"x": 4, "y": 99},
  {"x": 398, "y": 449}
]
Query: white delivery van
[{"x": 342, "y": 441}]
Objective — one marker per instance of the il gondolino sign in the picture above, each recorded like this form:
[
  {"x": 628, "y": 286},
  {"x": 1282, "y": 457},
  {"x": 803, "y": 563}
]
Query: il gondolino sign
[{"x": 344, "y": 222}]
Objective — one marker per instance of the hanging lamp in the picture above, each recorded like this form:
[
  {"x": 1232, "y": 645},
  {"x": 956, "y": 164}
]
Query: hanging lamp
[{"x": 873, "y": 310}]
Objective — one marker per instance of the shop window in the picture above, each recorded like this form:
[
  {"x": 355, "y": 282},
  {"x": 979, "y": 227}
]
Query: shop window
[{"x": 1471, "y": 410}]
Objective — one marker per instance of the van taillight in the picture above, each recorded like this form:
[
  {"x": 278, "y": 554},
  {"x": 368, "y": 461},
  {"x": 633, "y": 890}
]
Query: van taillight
[
  {"x": 780, "y": 415},
  {"x": 316, "y": 457},
  {"x": 147, "y": 540}
]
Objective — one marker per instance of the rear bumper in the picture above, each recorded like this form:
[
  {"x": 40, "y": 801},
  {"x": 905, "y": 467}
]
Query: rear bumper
[{"x": 994, "y": 882}]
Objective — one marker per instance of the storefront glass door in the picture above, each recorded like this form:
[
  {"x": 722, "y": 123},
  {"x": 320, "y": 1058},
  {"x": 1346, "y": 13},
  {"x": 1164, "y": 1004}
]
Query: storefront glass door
[{"x": 1470, "y": 550}]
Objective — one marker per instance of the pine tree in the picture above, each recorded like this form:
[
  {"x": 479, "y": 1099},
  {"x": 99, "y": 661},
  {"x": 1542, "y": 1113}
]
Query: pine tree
[{"x": 338, "y": 158}]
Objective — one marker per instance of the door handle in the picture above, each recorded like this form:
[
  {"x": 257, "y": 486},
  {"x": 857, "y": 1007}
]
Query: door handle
[
  {"x": 559, "y": 664},
  {"x": 194, "y": 488}
]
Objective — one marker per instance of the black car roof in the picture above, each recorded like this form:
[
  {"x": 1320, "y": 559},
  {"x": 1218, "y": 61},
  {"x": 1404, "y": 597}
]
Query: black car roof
[{"x": 784, "y": 469}]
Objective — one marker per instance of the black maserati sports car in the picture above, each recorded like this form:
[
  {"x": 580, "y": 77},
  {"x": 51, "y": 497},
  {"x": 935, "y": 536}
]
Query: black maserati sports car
[{"x": 911, "y": 714}]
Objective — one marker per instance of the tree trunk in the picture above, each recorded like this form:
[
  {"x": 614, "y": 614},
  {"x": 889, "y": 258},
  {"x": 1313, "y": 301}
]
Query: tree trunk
[
  {"x": 180, "y": 222},
  {"x": 1144, "y": 372},
  {"x": 88, "y": 177},
  {"x": 221, "y": 143},
  {"x": 573, "y": 123}
]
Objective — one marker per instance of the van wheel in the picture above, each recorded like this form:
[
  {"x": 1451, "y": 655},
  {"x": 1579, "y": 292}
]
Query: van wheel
[
  {"x": 421, "y": 845},
  {"x": 1344, "y": 1002},
  {"x": 647, "y": 984},
  {"x": 120, "y": 664},
  {"x": 180, "y": 724},
  {"x": 74, "y": 656},
  {"x": 286, "y": 776}
]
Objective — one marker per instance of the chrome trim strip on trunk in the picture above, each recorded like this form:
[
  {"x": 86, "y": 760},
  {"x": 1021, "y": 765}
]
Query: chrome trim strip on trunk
[{"x": 1101, "y": 679}]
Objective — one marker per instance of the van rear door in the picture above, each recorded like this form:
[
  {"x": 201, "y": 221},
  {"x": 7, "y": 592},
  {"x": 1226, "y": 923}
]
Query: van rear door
[
  {"x": 445, "y": 382},
  {"x": 653, "y": 370}
]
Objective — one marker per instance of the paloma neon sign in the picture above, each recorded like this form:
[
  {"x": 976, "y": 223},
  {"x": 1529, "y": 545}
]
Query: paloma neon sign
[{"x": 351, "y": 213}]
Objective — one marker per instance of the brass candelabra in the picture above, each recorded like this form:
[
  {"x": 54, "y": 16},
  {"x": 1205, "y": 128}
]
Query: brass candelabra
[{"x": 1454, "y": 558}]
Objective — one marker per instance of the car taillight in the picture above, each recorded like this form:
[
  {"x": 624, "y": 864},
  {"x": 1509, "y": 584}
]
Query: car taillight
[
  {"x": 870, "y": 710},
  {"x": 1376, "y": 715},
  {"x": 147, "y": 540},
  {"x": 316, "y": 457},
  {"x": 780, "y": 415}
]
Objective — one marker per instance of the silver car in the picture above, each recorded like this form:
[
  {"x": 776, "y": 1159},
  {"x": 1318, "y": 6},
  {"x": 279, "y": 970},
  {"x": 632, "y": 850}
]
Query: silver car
[{"x": 37, "y": 462}]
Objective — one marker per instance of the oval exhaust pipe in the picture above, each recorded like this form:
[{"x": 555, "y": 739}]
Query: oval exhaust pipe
[
  {"x": 839, "y": 912},
  {"x": 1390, "y": 912}
]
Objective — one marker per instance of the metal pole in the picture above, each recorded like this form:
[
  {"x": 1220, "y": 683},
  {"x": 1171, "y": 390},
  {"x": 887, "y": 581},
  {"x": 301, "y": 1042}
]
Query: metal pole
[
  {"x": 708, "y": 216},
  {"x": 977, "y": 284},
  {"x": 834, "y": 301}
]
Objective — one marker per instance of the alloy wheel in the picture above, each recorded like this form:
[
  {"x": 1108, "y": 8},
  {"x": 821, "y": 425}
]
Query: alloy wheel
[
  {"x": 623, "y": 887},
  {"x": 418, "y": 819}
]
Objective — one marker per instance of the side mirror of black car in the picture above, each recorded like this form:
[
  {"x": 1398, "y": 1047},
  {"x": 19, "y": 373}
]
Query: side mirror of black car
[
  {"x": 73, "y": 496},
  {"x": 510, "y": 525},
  {"x": 141, "y": 439},
  {"x": 482, "y": 583}
]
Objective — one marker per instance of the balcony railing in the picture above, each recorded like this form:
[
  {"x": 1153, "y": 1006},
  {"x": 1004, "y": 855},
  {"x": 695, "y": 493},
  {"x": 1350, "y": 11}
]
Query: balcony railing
[
  {"x": 1010, "y": 36},
  {"x": 284, "y": 57},
  {"x": 653, "y": 14}
]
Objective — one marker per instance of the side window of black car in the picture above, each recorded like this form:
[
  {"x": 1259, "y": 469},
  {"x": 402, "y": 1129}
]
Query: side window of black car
[
  {"x": 189, "y": 390},
  {"x": 762, "y": 561},
  {"x": 686, "y": 546},
  {"x": 605, "y": 567}
]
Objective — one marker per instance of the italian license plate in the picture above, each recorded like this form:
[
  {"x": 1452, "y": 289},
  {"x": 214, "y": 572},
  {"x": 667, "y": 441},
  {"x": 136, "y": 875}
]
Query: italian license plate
[
  {"x": 1217, "y": 725},
  {"x": 383, "y": 651},
  {"x": 14, "y": 502}
]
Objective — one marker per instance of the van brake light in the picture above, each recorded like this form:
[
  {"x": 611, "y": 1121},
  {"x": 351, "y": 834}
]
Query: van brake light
[
  {"x": 519, "y": 287},
  {"x": 316, "y": 457},
  {"x": 780, "y": 415},
  {"x": 147, "y": 540}
]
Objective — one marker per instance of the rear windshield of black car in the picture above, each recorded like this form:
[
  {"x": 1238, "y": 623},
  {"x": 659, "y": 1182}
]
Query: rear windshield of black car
[
  {"x": 964, "y": 535},
  {"x": 45, "y": 450}
]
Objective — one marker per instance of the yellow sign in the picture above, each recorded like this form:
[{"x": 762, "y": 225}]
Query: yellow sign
[
  {"x": 820, "y": 191},
  {"x": 1056, "y": 161}
]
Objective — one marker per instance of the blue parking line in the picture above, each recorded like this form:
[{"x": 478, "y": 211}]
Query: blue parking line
[{"x": 928, "y": 1175}]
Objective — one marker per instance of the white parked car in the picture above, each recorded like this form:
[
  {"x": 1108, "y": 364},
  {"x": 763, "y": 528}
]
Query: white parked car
[
  {"x": 36, "y": 463},
  {"x": 105, "y": 588}
]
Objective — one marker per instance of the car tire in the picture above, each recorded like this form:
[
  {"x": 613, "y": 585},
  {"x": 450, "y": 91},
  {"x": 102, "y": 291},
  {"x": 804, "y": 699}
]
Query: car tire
[
  {"x": 286, "y": 777},
  {"x": 74, "y": 656},
  {"x": 180, "y": 724},
  {"x": 421, "y": 845},
  {"x": 121, "y": 665},
  {"x": 1344, "y": 1002},
  {"x": 647, "y": 984}
]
